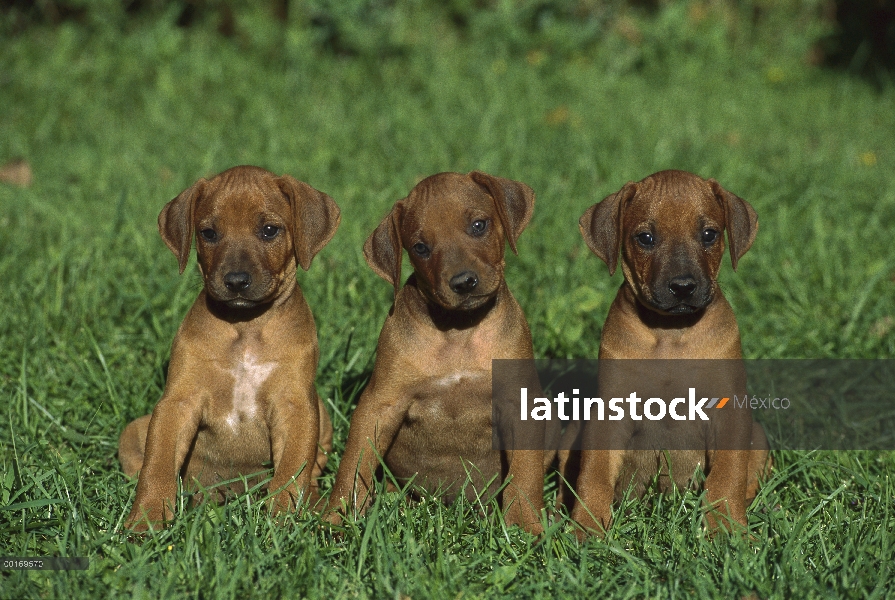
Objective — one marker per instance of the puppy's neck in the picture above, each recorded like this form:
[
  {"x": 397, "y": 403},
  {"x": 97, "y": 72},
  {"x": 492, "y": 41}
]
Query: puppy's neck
[
  {"x": 655, "y": 320},
  {"x": 236, "y": 316},
  {"x": 445, "y": 319}
]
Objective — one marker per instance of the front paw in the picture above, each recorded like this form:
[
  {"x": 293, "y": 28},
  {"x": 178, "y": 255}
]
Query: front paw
[
  {"x": 149, "y": 515},
  {"x": 333, "y": 517},
  {"x": 718, "y": 517},
  {"x": 282, "y": 502},
  {"x": 590, "y": 523},
  {"x": 524, "y": 515}
]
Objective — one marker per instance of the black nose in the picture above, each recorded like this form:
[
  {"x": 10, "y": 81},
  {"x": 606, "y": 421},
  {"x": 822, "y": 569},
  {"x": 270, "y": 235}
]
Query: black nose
[
  {"x": 682, "y": 287},
  {"x": 237, "y": 281},
  {"x": 464, "y": 283}
]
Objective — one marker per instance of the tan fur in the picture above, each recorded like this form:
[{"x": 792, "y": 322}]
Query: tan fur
[
  {"x": 646, "y": 321},
  {"x": 427, "y": 408},
  {"x": 240, "y": 391}
]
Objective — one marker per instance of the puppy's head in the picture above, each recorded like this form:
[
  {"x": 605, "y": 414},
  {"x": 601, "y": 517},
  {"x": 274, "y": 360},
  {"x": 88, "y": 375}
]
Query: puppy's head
[
  {"x": 453, "y": 227},
  {"x": 669, "y": 229},
  {"x": 251, "y": 230}
]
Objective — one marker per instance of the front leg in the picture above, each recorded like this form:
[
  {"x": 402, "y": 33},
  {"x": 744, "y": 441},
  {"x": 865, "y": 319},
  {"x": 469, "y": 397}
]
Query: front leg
[
  {"x": 374, "y": 424},
  {"x": 600, "y": 471},
  {"x": 728, "y": 469},
  {"x": 725, "y": 488},
  {"x": 522, "y": 444},
  {"x": 523, "y": 497},
  {"x": 294, "y": 432},
  {"x": 172, "y": 429}
]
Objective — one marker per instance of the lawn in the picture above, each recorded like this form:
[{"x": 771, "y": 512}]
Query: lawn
[{"x": 116, "y": 121}]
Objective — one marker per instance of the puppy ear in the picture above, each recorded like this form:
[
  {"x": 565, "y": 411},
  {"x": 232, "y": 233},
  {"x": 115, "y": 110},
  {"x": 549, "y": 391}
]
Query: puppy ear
[
  {"x": 315, "y": 218},
  {"x": 175, "y": 222},
  {"x": 601, "y": 225},
  {"x": 742, "y": 221},
  {"x": 515, "y": 203},
  {"x": 383, "y": 249}
]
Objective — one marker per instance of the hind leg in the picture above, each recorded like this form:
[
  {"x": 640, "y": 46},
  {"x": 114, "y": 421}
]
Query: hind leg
[{"x": 132, "y": 445}]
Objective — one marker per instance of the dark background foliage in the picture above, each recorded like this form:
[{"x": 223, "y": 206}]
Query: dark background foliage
[{"x": 855, "y": 35}]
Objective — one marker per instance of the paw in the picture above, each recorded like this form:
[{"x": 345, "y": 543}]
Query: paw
[
  {"x": 333, "y": 517},
  {"x": 148, "y": 516},
  {"x": 281, "y": 502},
  {"x": 525, "y": 516},
  {"x": 590, "y": 524}
]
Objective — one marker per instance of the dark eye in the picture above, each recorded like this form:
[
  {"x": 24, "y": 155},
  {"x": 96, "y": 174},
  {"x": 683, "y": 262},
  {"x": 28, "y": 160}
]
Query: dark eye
[
  {"x": 269, "y": 232},
  {"x": 645, "y": 239},
  {"x": 209, "y": 235},
  {"x": 709, "y": 236},
  {"x": 478, "y": 227},
  {"x": 422, "y": 250}
]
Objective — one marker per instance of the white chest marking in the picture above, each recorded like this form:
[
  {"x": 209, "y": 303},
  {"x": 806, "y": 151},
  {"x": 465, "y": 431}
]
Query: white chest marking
[
  {"x": 455, "y": 378},
  {"x": 248, "y": 376}
]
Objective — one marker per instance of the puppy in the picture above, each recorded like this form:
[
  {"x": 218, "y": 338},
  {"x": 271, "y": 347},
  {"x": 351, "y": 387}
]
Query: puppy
[
  {"x": 669, "y": 229},
  {"x": 240, "y": 392},
  {"x": 427, "y": 410}
]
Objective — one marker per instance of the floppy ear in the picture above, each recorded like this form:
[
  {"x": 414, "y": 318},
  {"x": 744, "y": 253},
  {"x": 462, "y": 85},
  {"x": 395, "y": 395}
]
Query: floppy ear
[
  {"x": 742, "y": 221},
  {"x": 601, "y": 225},
  {"x": 315, "y": 218},
  {"x": 515, "y": 203},
  {"x": 383, "y": 249},
  {"x": 175, "y": 222}
]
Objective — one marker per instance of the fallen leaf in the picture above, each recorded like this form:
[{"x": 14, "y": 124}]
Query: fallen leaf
[{"x": 17, "y": 172}]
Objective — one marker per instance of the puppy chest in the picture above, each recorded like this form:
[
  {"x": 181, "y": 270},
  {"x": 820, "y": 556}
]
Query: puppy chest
[
  {"x": 459, "y": 399},
  {"x": 448, "y": 420},
  {"x": 249, "y": 376},
  {"x": 234, "y": 435},
  {"x": 222, "y": 452}
]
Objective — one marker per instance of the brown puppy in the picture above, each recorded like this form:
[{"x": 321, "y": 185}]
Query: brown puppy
[
  {"x": 427, "y": 409},
  {"x": 669, "y": 229},
  {"x": 240, "y": 392}
]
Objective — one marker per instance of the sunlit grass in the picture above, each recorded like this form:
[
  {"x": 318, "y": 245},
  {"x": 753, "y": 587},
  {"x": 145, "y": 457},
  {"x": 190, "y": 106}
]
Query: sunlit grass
[{"x": 114, "y": 127}]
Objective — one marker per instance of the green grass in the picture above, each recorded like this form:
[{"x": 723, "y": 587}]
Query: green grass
[{"x": 116, "y": 125}]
